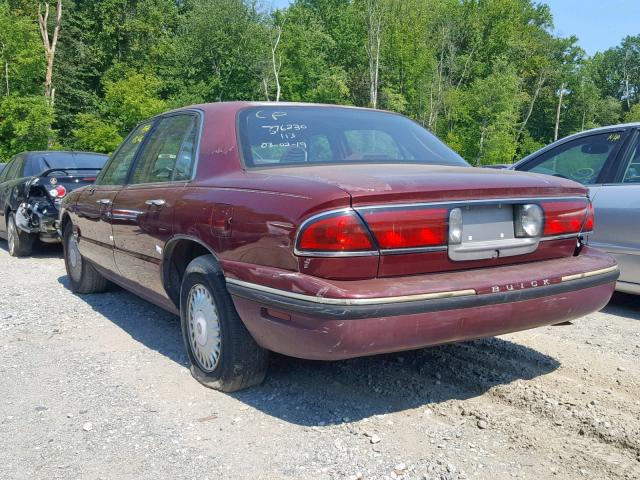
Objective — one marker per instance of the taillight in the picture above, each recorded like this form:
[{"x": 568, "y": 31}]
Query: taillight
[
  {"x": 58, "y": 191},
  {"x": 408, "y": 227},
  {"x": 591, "y": 219},
  {"x": 340, "y": 232},
  {"x": 564, "y": 217}
]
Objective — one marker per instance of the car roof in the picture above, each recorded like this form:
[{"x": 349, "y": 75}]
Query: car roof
[
  {"x": 58, "y": 152},
  {"x": 240, "y": 105},
  {"x": 584, "y": 133}
]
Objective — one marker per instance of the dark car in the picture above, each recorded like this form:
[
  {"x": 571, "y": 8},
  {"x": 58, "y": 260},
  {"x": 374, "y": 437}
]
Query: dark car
[
  {"x": 607, "y": 161},
  {"x": 326, "y": 233},
  {"x": 31, "y": 188}
]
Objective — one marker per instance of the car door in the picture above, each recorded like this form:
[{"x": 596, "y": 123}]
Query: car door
[
  {"x": 617, "y": 210},
  {"x": 586, "y": 159},
  {"x": 143, "y": 210},
  {"x": 9, "y": 178},
  {"x": 94, "y": 204}
]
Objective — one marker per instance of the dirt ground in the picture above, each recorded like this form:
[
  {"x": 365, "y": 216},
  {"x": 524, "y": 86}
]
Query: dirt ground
[{"x": 97, "y": 387}]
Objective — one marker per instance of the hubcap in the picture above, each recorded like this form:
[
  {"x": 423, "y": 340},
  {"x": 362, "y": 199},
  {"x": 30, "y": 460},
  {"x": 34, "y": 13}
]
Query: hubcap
[
  {"x": 74, "y": 258},
  {"x": 11, "y": 235},
  {"x": 203, "y": 325}
]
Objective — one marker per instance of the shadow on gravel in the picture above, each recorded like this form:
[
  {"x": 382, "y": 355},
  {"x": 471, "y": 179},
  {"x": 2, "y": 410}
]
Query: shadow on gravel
[
  {"x": 40, "y": 250},
  {"x": 317, "y": 393},
  {"x": 624, "y": 305},
  {"x": 146, "y": 323},
  {"x": 321, "y": 393}
]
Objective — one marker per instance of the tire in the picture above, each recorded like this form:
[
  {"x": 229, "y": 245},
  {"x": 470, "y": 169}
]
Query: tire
[
  {"x": 83, "y": 276},
  {"x": 223, "y": 354},
  {"x": 20, "y": 243}
]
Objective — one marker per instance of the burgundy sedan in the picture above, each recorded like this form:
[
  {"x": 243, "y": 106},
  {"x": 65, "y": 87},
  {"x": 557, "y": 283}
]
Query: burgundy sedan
[{"x": 326, "y": 233}]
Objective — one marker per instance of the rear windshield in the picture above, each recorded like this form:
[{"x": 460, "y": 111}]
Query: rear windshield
[
  {"x": 39, "y": 162},
  {"x": 281, "y": 136}
]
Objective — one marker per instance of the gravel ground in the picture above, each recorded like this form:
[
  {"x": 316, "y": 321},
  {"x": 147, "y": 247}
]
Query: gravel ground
[{"x": 97, "y": 386}]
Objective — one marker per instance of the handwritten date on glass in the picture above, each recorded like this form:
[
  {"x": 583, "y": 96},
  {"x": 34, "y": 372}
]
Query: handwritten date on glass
[{"x": 284, "y": 144}]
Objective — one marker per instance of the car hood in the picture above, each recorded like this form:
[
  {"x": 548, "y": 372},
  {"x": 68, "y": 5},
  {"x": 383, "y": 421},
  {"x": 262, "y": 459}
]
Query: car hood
[{"x": 409, "y": 183}]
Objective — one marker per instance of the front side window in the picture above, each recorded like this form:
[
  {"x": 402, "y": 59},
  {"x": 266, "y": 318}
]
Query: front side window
[
  {"x": 170, "y": 152},
  {"x": 117, "y": 169},
  {"x": 287, "y": 136},
  {"x": 581, "y": 160}
]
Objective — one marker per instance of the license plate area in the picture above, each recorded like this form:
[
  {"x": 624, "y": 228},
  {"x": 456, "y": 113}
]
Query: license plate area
[{"x": 487, "y": 232}]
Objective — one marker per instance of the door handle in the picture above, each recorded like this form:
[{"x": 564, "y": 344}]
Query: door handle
[
  {"x": 104, "y": 201},
  {"x": 156, "y": 203}
]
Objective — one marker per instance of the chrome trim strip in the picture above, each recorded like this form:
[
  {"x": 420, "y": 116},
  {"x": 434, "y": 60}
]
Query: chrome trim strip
[
  {"x": 488, "y": 201},
  {"x": 592, "y": 273},
  {"x": 561, "y": 237},
  {"x": 311, "y": 253},
  {"x": 398, "y": 251},
  {"x": 353, "y": 301}
]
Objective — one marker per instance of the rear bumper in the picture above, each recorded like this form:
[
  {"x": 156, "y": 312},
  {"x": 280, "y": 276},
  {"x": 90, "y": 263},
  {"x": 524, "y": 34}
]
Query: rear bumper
[
  {"x": 325, "y": 328},
  {"x": 38, "y": 217}
]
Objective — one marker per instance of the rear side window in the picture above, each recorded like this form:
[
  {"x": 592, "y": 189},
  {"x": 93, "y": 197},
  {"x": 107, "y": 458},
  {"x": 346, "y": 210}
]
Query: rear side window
[
  {"x": 117, "y": 169},
  {"x": 168, "y": 155},
  {"x": 37, "y": 163},
  {"x": 286, "y": 136},
  {"x": 5, "y": 171},
  {"x": 14, "y": 169}
]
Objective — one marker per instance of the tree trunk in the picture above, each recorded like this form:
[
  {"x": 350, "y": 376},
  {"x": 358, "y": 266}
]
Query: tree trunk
[
  {"x": 539, "y": 85},
  {"x": 560, "y": 97},
  {"x": 50, "y": 43},
  {"x": 6, "y": 70},
  {"x": 374, "y": 40},
  {"x": 276, "y": 64}
]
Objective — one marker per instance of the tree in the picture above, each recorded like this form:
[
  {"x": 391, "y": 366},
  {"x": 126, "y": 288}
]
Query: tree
[
  {"x": 25, "y": 123},
  {"x": 49, "y": 42},
  {"x": 375, "y": 15}
]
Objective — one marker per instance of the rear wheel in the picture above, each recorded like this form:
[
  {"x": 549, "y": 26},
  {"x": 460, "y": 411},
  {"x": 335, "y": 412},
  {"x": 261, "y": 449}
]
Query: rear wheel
[
  {"x": 83, "y": 276},
  {"x": 20, "y": 243},
  {"x": 223, "y": 354}
]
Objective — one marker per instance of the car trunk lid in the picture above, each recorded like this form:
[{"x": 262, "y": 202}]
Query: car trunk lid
[{"x": 488, "y": 201}]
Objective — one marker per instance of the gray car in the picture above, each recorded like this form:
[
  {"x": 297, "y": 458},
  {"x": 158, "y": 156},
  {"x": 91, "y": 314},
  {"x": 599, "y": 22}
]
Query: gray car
[{"x": 607, "y": 160}]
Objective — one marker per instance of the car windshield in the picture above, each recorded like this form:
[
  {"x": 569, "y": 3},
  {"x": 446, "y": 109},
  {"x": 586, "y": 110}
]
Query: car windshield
[
  {"x": 286, "y": 136},
  {"x": 43, "y": 161}
]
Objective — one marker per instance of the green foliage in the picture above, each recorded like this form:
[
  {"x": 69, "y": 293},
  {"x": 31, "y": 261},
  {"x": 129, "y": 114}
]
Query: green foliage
[
  {"x": 633, "y": 115},
  {"x": 486, "y": 76},
  {"x": 131, "y": 99},
  {"x": 24, "y": 124},
  {"x": 94, "y": 134},
  {"x": 21, "y": 57}
]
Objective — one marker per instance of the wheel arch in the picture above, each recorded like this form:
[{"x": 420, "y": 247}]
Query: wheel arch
[
  {"x": 178, "y": 253},
  {"x": 64, "y": 220}
]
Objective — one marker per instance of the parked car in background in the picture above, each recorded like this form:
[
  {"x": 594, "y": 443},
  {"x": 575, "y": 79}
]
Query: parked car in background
[
  {"x": 326, "y": 232},
  {"x": 607, "y": 161},
  {"x": 31, "y": 188}
]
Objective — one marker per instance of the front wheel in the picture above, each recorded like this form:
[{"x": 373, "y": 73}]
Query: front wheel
[
  {"x": 83, "y": 276},
  {"x": 20, "y": 243},
  {"x": 223, "y": 354}
]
